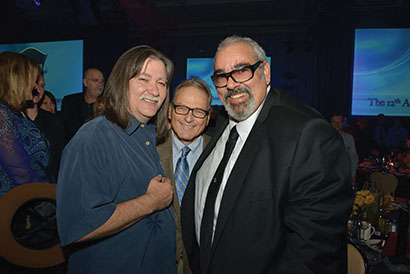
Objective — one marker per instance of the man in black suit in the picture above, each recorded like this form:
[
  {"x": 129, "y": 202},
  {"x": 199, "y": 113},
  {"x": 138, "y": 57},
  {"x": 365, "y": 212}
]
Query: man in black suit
[
  {"x": 282, "y": 201},
  {"x": 77, "y": 108}
]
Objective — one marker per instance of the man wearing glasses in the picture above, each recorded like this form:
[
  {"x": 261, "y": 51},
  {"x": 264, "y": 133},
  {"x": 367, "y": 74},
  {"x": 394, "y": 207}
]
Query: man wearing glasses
[
  {"x": 77, "y": 108},
  {"x": 189, "y": 115},
  {"x": 271, "y": 192}
]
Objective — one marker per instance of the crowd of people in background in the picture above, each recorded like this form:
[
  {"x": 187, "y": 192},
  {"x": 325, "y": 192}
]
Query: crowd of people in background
[
  {"x": 38, "y": 120},
  {"x": 378, "y": 135}
]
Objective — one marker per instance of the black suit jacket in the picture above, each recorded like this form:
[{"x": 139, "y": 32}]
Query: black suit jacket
[
  {"x": 287, "y": 199},
  {"x": 74, "y": 113}
]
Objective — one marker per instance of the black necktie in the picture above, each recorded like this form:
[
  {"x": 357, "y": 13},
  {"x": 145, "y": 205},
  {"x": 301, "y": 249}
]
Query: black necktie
[{"x": 208, "y": 215}]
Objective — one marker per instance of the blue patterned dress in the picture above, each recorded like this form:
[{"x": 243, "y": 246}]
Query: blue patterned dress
[{"x": 24, "y": 154}]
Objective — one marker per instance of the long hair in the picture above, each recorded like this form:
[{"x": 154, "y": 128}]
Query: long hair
[
  {"x": 116, "y": 94},
  {"x": 18, "y": 74}
]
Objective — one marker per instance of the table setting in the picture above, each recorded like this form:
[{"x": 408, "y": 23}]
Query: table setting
[
  {"x": 395, "y": 162},
  {"x": 378, "y": 227}
]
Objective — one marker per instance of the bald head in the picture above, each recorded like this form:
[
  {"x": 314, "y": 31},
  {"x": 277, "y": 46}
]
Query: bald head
[{"x": 93, "y": 83}]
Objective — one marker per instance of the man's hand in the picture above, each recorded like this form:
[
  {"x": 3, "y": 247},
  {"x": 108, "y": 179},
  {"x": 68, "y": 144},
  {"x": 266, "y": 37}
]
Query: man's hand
[
  {"x": 159, "y": 196},
  {"x": 160, "y": 191}
]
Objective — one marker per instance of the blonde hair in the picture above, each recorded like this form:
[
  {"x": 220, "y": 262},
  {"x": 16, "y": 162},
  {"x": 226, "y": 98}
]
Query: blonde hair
[{"x": 18, "y": 74}]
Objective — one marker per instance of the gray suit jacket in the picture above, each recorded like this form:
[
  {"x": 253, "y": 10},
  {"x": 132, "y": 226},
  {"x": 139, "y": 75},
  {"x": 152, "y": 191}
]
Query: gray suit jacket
[{"x": 165, "y": 153}]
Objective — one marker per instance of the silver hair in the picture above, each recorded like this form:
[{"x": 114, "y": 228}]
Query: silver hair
[{"x": 258, "y": 51}]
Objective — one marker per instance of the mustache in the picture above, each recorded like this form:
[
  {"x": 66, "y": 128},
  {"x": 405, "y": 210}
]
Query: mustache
[
  {"x": 236, "y": 90},
  {"x": 152, "y": 98}
]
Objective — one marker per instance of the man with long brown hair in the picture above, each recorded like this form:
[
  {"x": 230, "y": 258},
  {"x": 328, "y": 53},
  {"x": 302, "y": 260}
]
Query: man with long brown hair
[{"x": 112, "y": 196}]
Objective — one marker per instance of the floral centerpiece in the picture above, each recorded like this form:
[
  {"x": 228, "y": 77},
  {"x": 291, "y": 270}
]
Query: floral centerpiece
[{"x": 367, "y": 205}]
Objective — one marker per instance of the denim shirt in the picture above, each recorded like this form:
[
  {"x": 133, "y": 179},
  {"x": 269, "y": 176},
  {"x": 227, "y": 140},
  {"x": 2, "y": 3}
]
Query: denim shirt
[{"x": 102, "y": 166}]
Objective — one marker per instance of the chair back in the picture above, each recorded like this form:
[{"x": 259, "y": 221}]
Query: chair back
[
  {"x": 355, "y": 261},
  {"x": 386, "y": 183}
]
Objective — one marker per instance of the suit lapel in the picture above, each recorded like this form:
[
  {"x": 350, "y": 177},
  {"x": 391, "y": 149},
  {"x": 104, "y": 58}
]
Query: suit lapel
[
  {"x": 165, "y": 153},
  {"x": 188, "y": 203},
  {"x": 206, "y": 139},
  {"x": 240, "y": 169},
  {"x": 191, "y": 183},
  {"x": 208, "y": 149}
]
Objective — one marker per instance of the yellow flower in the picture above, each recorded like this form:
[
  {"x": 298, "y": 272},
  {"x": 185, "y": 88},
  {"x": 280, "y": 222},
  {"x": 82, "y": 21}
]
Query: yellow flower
[
  {"x": 359, "y": 200},
  {"x": 366, "y": 192},
  {"x": 390, "y": 207},
  {"x": 388, "y": 199},
  {"x": 369, "y": 200}
]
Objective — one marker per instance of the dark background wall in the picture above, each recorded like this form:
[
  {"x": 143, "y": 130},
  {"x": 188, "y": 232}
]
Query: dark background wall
[{"x": 310, "y": 42}]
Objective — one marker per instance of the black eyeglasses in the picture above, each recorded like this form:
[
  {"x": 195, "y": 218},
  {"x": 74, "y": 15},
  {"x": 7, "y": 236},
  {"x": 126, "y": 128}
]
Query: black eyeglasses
[
  {"x": 196, "y": 112},
  {"x": 240, "y": 75}
]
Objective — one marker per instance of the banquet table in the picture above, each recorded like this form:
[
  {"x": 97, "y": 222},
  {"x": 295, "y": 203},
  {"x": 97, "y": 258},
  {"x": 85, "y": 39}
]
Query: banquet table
[
  {"x": 386, "y": 254},
  {"x": 382, "y": 260}
]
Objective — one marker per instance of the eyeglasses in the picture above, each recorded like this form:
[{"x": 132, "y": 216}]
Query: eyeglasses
[
  {"x": 96, "y": 80},
  {"x": 240, "y": 75},
  {"x": 196, "y": 112}
]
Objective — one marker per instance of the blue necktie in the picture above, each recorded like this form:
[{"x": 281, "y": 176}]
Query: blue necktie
[{"x": 182, "y": 173}]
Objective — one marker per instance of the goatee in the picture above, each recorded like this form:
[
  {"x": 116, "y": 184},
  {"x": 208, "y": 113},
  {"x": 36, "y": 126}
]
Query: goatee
[{"x": 243, "y": 110}]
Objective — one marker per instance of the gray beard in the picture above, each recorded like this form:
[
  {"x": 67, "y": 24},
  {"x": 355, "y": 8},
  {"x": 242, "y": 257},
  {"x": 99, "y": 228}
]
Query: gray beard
[{"x": 244, "y": 112}]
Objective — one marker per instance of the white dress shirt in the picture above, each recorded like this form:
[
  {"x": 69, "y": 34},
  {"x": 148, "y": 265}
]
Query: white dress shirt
[
  {"x": 350, "y": 146},
  {"x": 208, "y": 168}
]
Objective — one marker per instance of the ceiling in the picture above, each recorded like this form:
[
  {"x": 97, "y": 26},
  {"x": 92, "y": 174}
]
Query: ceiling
[
  {"x": 183, "y": 18},
  {"x": 199, "y": 17}
]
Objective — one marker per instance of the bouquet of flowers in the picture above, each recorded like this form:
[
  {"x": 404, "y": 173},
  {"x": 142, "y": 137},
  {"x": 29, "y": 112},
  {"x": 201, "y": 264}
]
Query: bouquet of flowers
[{"x": 367, "y": 205}]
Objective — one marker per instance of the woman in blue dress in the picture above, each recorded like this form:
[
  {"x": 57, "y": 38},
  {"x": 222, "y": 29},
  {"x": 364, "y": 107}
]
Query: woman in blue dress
[{"x": 24, "y": 154}]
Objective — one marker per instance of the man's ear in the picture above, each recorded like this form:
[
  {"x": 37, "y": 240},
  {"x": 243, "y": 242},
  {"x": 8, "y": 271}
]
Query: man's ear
[
  {"x": 169, "y": 111},
  {"x": 208, "y": 117},
  {"x": 266, "y": 70},
  {"x": 85, "y": 82}
]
